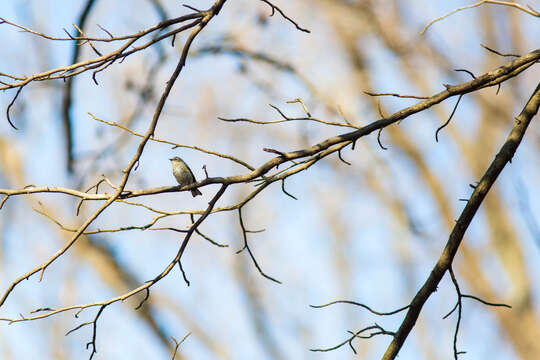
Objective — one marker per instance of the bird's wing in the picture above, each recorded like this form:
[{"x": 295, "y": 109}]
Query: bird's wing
[{"x": 191, "y": 173}]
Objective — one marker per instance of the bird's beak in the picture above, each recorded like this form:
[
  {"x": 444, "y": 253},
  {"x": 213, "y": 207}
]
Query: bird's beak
[{"x": 170, "y": 159}]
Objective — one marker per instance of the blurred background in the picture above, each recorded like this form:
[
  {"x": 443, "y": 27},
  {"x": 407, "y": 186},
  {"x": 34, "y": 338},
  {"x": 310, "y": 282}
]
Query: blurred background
[{"x": 369, "y": 232}]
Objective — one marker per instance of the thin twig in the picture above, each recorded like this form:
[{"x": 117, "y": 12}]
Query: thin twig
[
  {"x": 396, "y": 95},
  {"x": 497, "y": 52},
  {"x": 246, "y": 247},
  {"x": 528, "y": 10},
  {"x": 178, "y": 343},
  {"x": 274, "y": 8},
  {"x": 449, "y": 118},
  {"x": 363, "y": 306}
]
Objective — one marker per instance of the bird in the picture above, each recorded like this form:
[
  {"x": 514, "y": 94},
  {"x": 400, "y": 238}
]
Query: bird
[{"x": 183, "y": 174}]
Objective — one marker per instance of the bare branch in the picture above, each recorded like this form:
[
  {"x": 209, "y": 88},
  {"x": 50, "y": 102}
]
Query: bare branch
[
  {"x": 274, "y": 8},
  {"x": 246, "y": 247},
  {"x": 175, "y": 145},
  {"x": 445, "y": 261},
  {"x": 449, "y": 118},
  {"x": 396, "y": 95},
  {"x": 497, "y": 52},
  {"x": 528, "y": 10},
  {"x": 201, "y": 23},
  {"x": 178, "y": 343},
  {"x": 363, "y": 306},
  {"x": 354, "y": 335},
  {"x": 10, "y": 105}
]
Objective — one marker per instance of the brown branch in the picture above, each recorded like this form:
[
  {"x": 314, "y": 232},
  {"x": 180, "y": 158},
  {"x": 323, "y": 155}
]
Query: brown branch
[
  {"x": 320, "y": 150},
  {"x": 396, "y": 95},
  {"x": 274, "y": 8},
  {"x": 143, "y": 287},
  {"x": 162, "y": 215},
  {"x": 96, "y": 186},
  {"x": 363, "y": 306},
  {"x": 67, "y": 99},
  {"x": 208, "y": 15},
  {"x": 491, "y": 78},
  {"x": 111, "y": 38},
  {"x": 444, "y": 263},
  {"x": 380, "y": 331},
  {"x": 102, "y": 62},
  {"x": 447, "y": 121},
  {"x": 198, "y": 232},
  {"x": 178, "y": 343},
  {"x": 175, "y": 145},
  {"x": 466, "y": 71},
  {"x": 10, "y": 105},
  {"x": 528, "y": 10},
  {"x": 497, "y": 52},
  {"x": 94, "y": 332},
  {"x": 287, "y": 119},
  {"x": 485, "y": 302},
  {"x": 459, "y": 307},
  {"x": 3, "y": 201},
  {"x": 301, "y": 102},
  {"x": 342, "y": 159},
  {"x": 246, "y": 247},
  {"x": 379, "y": 139},
  {"x": 183, "y": 273}
]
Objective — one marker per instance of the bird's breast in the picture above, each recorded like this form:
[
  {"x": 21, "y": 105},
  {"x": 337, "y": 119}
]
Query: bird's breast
[{"x": 183, "y": 177}]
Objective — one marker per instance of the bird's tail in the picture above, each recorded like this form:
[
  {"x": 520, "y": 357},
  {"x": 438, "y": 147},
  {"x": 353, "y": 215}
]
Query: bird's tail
[{"x": 195, "y": 192}]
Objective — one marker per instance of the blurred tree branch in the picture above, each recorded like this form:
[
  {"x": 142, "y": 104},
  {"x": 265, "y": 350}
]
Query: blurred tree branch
[{"x": 293, "y": 162}]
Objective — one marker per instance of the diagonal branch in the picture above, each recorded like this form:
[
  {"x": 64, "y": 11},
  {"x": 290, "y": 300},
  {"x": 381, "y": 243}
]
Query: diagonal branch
[
  {"x": 146, "y": 286},
  {"x": 445, "y": 261},
  {"x": 208, "y": 15}
]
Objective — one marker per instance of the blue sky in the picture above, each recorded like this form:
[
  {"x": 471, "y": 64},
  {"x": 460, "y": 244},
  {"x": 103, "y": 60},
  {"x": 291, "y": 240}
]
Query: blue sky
[{"x": 338, "y": 226}]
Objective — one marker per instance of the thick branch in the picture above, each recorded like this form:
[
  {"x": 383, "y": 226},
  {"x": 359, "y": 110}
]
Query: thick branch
[{"x": 445, "y": 261}]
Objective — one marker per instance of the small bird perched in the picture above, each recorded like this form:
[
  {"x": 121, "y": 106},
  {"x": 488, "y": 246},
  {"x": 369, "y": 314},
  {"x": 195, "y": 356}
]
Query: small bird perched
[{"x": 183, "y": 174}]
